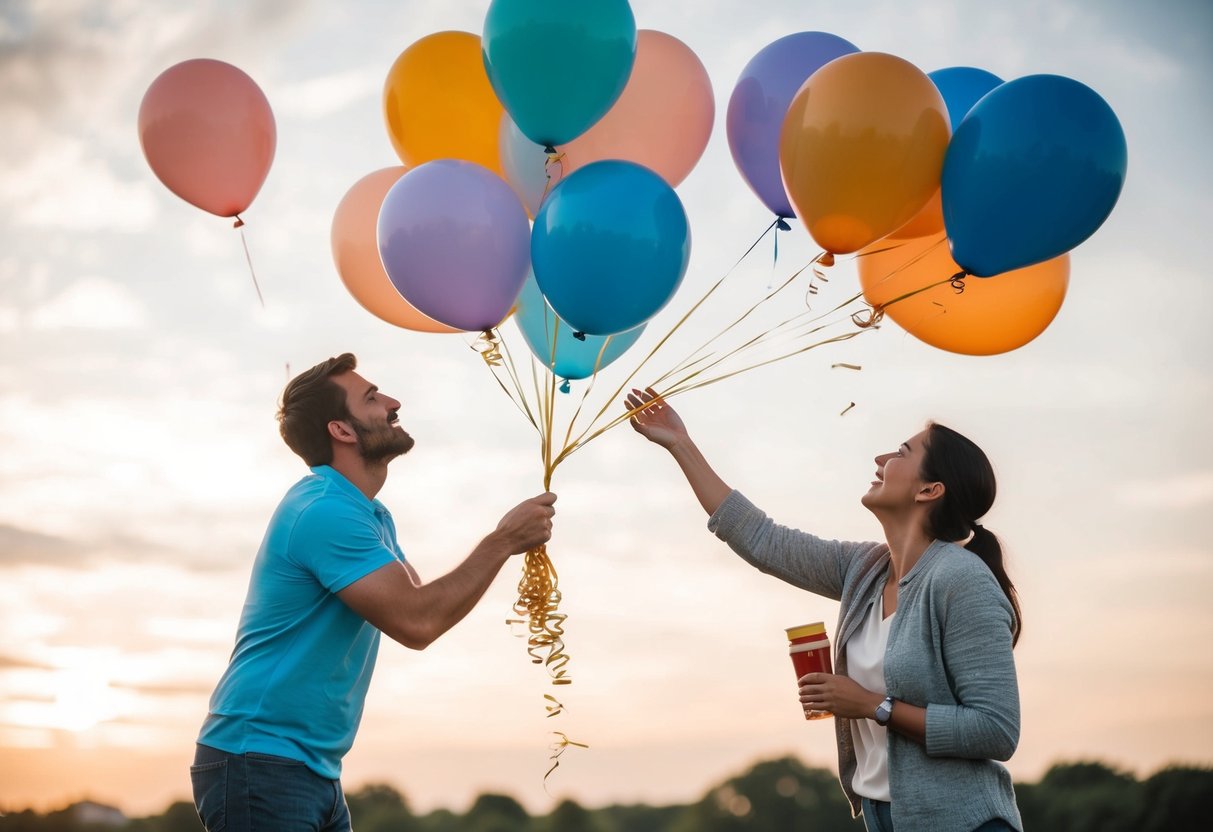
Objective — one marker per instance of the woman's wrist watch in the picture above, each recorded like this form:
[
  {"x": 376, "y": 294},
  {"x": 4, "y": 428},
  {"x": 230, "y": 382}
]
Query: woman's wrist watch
[{"x": 884, "y": 711}]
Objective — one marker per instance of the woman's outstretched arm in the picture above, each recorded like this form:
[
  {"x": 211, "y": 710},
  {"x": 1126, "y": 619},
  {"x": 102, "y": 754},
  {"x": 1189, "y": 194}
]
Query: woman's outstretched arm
[{"x": 656, "y": 421}]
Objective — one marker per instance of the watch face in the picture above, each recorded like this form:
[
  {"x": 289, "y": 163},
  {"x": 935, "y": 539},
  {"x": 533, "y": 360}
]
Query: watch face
[{"x": 883, "y": 712}]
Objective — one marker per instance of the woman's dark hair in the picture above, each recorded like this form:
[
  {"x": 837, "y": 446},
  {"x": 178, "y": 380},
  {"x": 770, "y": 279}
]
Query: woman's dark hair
[
  {"x": 310, "y": 401},
  {"x": 969, "y": 489}
]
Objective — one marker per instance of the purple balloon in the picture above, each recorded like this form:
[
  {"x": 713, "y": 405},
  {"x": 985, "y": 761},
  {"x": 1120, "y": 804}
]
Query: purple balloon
[
  {"x": 455, "y": 242},
  {"x": 760, "y": 101}
]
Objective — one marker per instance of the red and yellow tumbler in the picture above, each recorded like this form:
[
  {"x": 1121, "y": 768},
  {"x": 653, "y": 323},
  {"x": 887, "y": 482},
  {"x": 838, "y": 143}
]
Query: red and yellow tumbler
[{"x": 809, "y": 647}]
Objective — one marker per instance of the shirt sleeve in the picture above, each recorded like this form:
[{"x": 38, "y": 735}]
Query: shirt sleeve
[
  {"x": 984, "y": 724},
  {"x": 338, "y": 543},
  {"x": 799, "y": 558}
]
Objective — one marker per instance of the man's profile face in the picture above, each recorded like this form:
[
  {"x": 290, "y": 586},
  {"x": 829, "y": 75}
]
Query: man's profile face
[{"x": 374, "y": 418}]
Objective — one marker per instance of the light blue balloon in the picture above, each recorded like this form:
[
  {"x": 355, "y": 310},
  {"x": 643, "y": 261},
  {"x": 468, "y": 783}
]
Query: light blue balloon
[
  {"x": 525, "y": 165},
  {"x": 1032, "y": 171},
  {"x": 574, "y": 358},
  {"x": 961, "y": 88},
  {"x": 610, "y": 246},
  {"x": 558, "y": 65}
]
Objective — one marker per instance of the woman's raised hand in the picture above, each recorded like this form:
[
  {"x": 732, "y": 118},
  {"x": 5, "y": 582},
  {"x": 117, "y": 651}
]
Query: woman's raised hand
[{"x": 654, "y": 419}]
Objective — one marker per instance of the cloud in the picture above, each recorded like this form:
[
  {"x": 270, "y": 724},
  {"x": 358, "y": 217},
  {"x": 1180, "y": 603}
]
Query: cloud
[
  {"x": 16, "y": 663},
  {"x": 90, "y": 303},
  {"x": 18, "y": 546},
  {"x": 324, "y": 96}
]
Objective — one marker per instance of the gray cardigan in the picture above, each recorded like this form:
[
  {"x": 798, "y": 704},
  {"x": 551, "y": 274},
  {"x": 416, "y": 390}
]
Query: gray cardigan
[{"x": 949, "y": 651}]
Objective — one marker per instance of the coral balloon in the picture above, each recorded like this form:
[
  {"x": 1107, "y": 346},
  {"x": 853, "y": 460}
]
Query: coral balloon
[
  {"x": 558, "y": 66},
  {"x": 760, "y": 100},
  {"x": 356, "y": 254},
  {"x": 663, "y": 118},
  {"x": 862, "y": 148},
  {"x": 438, "y": 103},
  {"x": 208, "y": 134},
  {"x": 992, "y": 315},
  {"x": 453, "y": 240},
  {"x": 1033, "y": 170}
]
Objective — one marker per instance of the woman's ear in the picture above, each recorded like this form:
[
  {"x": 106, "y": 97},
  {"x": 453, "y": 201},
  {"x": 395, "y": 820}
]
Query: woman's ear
[{"x": 929, "y": 492}]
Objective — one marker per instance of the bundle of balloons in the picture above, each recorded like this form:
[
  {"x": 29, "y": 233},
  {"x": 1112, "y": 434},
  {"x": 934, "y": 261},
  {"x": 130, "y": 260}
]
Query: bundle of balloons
[
  {"x": 878, "y": 159},
  {"x": 572, "y": 118}
]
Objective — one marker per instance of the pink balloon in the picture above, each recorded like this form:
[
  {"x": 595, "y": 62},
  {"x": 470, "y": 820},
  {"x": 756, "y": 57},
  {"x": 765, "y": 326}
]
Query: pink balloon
[
  {"x": 208, "y": 133},
  {"x": 663, "y": 118}
]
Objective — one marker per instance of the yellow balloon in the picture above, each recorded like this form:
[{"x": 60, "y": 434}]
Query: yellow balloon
[
  {"x": 862, "y": 148},
  {"x": 438, "y": 103},
  {"x": 991, "y": 315}
]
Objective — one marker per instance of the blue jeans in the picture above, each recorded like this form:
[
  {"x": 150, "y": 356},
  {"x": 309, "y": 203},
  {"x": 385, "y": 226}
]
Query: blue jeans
[
  {"x": 878, "y": 817},
  {"x": 264, "y": 793}
]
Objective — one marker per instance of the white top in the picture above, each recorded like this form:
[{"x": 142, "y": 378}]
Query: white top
[{"x": 865, "y": 664}]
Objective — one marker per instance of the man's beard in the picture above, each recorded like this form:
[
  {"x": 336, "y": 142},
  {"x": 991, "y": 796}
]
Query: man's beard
[{"x": 381, "y": 443}]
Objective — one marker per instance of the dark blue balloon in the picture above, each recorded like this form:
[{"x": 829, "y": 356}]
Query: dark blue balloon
[
  {"x": 1032, "y": 171},
  {"x": 610, "y": 246},
  {"x": 961, "y": 88}
]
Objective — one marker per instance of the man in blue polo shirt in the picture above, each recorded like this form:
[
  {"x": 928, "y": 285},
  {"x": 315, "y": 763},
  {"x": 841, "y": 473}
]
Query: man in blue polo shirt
[{"x": 328, "y": 579}]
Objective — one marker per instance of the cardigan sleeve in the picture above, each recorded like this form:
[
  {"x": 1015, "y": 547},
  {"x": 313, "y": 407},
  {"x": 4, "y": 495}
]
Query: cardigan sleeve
[
  {"x": 976, "y": 646},
  {"x": 799, "y": 558}
]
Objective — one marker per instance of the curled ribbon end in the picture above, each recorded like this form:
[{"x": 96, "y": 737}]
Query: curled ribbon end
[{"x": 958, "y": 281}]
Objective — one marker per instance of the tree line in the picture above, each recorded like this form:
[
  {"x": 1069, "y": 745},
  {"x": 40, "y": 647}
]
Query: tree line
[{"x": 772, "y": 796}]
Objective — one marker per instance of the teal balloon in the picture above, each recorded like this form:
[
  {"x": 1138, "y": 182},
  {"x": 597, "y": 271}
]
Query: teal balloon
[
  {"x": 573, "y": 358},
  {"x": 610, "y": 246},
  {"x": 1033, "y": 170},
  {"x": 961, "y": 88},
  {"x": 558, "y": 65}
]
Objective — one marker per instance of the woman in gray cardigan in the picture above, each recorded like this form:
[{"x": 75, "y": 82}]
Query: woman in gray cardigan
[{"x": 924, "y": 691}]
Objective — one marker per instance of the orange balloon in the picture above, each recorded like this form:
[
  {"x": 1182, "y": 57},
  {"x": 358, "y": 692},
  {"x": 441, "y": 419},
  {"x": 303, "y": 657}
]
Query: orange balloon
[
  {"x": 862, "y": 148},
  {"x": 208, "y": 134},
  {"x": 662, "y": 119},
  {"x": 992, "y": 315},
  {"x": 926, "y": 223},
  {"x": 439, "y": 104},
  {"x": 356, "y": 254}
]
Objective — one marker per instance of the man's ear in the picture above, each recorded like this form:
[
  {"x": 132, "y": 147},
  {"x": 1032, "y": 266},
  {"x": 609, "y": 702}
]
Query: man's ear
[
  {"x": 342, "y": 432},
  {"x": 929, "y": 492}
]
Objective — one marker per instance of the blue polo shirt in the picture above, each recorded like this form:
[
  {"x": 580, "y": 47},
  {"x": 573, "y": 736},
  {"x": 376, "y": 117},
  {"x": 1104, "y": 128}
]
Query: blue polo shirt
[{"x": 296, "y": 682}]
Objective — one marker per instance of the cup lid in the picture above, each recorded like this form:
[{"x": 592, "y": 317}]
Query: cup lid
[{"x": 814, "y": 629}]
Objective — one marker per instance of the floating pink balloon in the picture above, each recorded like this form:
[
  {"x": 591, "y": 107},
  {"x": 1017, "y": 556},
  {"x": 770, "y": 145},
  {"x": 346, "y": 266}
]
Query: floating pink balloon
[{"x": 208, "y": 133}]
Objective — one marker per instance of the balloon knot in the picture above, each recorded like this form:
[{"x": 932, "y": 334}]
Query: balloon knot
[
  {"x": 564, "y": 387},
  {"x": 549, "y": 149},
  {"x": 826, "y": 259},
  {"x": 782, "y": 224},
  {"x": 580, "y": 336},
  {"x": 238, "y": 223}
]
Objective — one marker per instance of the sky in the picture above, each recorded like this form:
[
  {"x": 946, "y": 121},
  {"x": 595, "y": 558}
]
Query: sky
[{"x": 139, "y": 377}]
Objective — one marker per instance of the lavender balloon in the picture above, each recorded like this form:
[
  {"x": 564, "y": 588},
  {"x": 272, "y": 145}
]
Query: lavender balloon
[
  {"x": 455, "y": 243},
  {"x": 760, "y": 101}
]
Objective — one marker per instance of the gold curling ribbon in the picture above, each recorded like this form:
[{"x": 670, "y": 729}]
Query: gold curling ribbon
[
  {"x": 489, "y": 348},
  {"x": 538, "y": 600},
  {"x": 558, "y": 748}
]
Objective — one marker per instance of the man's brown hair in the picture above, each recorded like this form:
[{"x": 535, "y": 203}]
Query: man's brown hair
[{"x": 310, "y": 401}]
